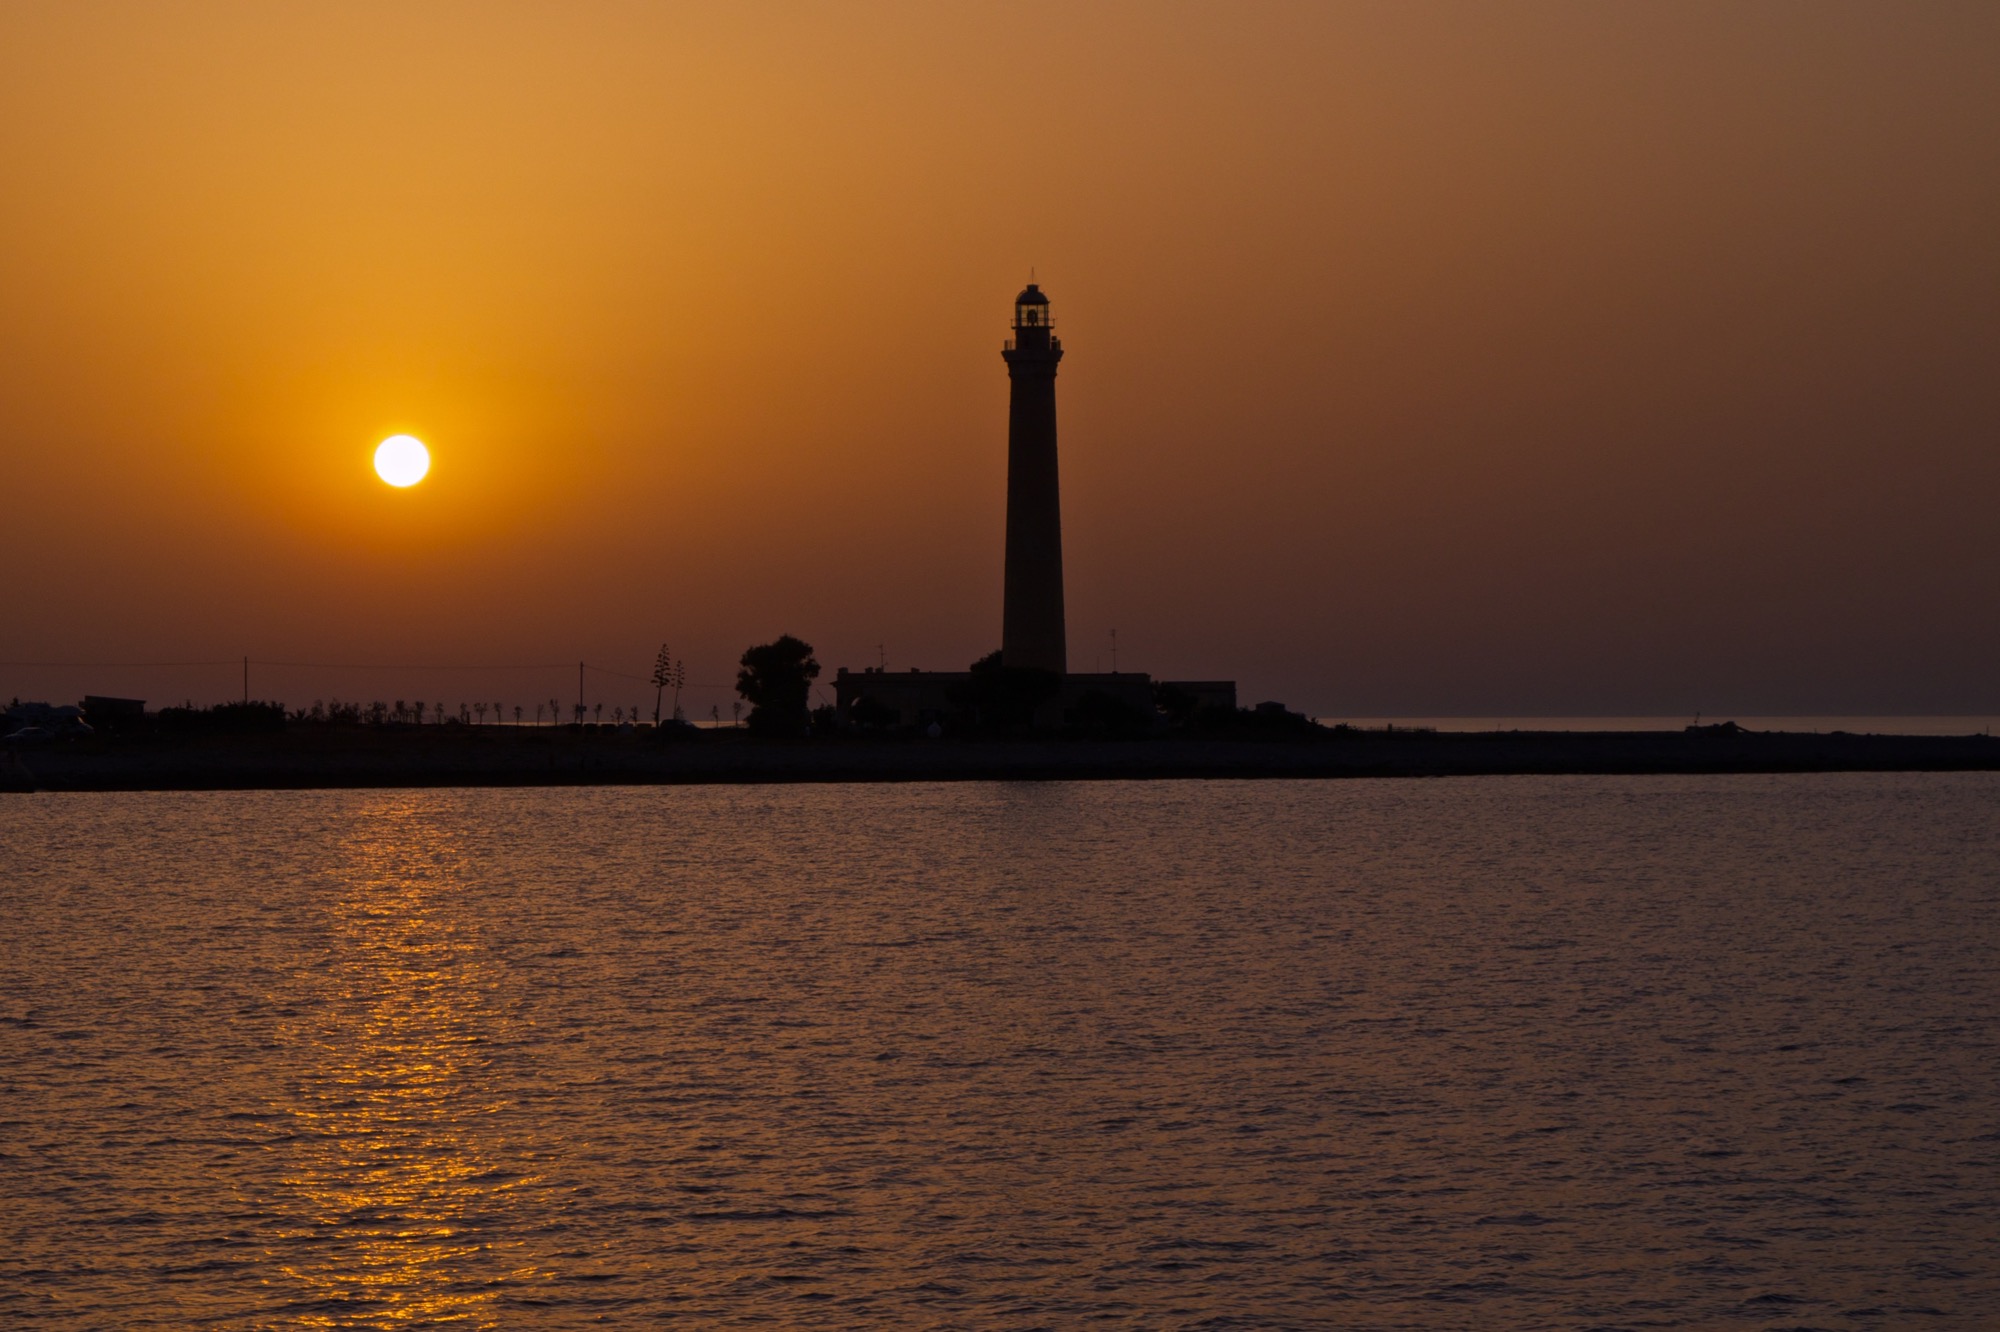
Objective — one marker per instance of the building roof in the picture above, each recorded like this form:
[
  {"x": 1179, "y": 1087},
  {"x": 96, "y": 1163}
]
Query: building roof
[{"x": 1031, "y": 296}]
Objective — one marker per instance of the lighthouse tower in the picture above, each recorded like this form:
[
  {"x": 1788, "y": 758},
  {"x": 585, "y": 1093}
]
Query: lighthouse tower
[{"x": 1031, "y": 629}]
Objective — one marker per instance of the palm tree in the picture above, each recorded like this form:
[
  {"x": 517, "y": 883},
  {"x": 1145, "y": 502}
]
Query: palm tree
[
  {"x": 480, "y": 708},
  {"x": 517, "y": 714}
]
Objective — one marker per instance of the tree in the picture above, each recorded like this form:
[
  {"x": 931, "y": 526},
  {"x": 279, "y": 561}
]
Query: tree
[
  {"x": 663, "y": 675},
  {"x": 517, "y": 714},
  {"x": 581, "y": 712},
  {"x": 776, "y": 679},
  {"x": 480, "y": 709},
  {"x": 555, "y": 712},
  {"x": 1002, "y": 698}
]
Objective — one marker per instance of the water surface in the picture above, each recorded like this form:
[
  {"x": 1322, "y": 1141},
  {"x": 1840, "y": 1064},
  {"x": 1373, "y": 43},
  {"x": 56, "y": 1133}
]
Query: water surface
[{"x": 1521, "y": 1052}]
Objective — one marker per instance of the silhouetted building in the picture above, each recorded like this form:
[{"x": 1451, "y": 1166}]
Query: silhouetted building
[
  {"x": 918, "y": 698},
  {"x": 878, "y": 698},
  {"x": 1202, "y": 695},
  {"x": 1031, "y": 627}
]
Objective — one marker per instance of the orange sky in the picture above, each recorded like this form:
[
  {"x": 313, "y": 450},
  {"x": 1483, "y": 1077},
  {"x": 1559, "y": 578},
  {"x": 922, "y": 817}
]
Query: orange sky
[{"x": 1463, "y": 358}]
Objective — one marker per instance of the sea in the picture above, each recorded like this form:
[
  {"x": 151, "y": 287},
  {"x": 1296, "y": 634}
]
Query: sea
[{"x": 1534, "y": 1052}]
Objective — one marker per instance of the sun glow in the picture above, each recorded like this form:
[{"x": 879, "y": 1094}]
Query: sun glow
[{"x": 402, "y": 460}]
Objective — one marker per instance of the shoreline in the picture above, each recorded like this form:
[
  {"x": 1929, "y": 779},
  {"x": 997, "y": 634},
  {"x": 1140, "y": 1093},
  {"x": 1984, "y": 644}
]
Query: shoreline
[{"x": 501, "y": 756}]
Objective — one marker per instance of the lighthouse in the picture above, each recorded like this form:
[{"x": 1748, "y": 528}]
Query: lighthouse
[
  {"x": 1031, "y": 625},
  {"x": 977, "y": 701}
]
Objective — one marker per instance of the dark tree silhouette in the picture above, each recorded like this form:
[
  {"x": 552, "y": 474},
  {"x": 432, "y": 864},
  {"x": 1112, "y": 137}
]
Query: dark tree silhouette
[
  {"x": 997, "y": 697},
  {"x": 663, "y": 675},
  {"x": 776, "y": 679},
  {"x": 871, "y": 714},
  {"x": 229, "y": 717}
]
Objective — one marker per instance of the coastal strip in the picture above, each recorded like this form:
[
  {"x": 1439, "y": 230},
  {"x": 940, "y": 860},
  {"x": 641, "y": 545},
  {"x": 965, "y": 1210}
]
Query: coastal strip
[{"x": 497, "y": 756}]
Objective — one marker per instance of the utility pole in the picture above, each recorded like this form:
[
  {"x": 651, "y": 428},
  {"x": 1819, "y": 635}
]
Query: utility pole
[{"x": 579, "y": 692}]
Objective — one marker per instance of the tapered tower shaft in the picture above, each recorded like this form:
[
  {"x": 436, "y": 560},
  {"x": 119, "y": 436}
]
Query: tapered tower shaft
[{"x": 1031, "y": 632}]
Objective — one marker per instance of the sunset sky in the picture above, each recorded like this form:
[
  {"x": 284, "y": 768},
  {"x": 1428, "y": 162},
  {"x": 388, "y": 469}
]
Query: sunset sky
[{"x": 1462, "y": 358}]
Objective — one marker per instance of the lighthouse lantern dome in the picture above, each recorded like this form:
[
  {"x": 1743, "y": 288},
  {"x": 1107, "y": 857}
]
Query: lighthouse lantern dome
[{"x": 1031, "y": 308}]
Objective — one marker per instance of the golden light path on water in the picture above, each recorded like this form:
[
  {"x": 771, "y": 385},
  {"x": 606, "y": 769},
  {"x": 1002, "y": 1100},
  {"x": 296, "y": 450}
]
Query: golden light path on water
[{"x": 400, "y": 1159}]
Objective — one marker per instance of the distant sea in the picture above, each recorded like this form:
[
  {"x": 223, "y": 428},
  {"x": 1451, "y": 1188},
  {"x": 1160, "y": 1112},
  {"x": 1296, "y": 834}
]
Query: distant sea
[
  {"x": 1925, "y": 725},
  {"x": 1508, "y": 1053}
]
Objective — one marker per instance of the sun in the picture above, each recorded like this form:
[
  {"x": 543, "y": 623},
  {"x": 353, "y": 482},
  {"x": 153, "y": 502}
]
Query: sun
[{"x": 402, "y": 460}]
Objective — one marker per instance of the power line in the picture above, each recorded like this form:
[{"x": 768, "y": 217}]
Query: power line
[
  {"x": 314, "y": 665},
  {"x": 132, "y": 665},
  {"x": 370, "y": 666},
  {"x": 332, "y": 666}
]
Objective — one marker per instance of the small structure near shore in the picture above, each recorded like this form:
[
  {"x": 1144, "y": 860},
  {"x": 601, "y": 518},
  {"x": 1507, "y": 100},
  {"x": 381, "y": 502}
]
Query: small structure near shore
[{"x": 105, "y": 713}]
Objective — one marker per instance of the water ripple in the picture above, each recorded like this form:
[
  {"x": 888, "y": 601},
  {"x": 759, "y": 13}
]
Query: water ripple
[{"x": 1523, "y": 1053}]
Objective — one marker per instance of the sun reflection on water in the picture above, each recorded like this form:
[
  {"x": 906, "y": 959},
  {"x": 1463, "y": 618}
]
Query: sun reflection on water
[{"x": 401, "y": 1184}]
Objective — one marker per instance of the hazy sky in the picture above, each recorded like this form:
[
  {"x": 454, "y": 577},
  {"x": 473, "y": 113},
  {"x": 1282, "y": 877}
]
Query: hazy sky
[{"x": 1490, "y": 358}]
